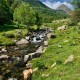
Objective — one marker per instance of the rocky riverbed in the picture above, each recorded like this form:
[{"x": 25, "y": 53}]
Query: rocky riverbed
[{"x": 14, "y": 58}]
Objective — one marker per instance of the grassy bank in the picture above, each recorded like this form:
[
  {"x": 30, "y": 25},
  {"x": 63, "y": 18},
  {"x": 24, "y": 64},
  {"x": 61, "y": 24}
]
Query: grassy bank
[
  {"x": 8, "y": 34},
  {"x": 69, "y": 41}
]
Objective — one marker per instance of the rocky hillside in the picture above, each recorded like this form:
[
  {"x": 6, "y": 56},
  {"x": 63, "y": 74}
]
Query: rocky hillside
[{"x": 64, "y": 8}]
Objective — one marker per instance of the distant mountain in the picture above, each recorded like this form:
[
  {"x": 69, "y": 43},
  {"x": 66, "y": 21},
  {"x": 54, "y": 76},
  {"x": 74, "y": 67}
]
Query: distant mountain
[
  {"x": 64, "y": 8},
  {"x": 45, "y": 12}
]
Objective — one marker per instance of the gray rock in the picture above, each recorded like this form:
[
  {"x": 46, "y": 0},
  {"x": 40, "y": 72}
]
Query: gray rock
[
  {"x": 22, "y": 41},
  {"x": 69, "y": 59},
  {"x": 39, "y": 50},
  {"x": 26, "y": 58},
  {"x": 4, "y": 57},
  {"x": 49, "y": 35},
  {"x": 45, "y": 43},
  {"x": 4, "y": 50},
  {"x": 16, "y": 48},
  {"x": 27, "y": 37}
]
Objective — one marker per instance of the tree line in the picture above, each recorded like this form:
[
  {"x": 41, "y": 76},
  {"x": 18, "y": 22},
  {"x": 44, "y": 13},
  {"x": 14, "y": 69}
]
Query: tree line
[{"x": 23, "y": 13}]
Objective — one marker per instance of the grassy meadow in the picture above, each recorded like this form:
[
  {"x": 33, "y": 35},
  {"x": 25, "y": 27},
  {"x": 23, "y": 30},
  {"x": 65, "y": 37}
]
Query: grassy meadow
[{"x": 69, "y": 40}]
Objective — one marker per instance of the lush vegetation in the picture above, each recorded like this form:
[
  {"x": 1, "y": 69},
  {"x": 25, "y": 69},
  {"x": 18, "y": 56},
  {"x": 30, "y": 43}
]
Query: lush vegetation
[
  {"x": 14, "y": 13},
  {"x": 8, "y": 34},
  {"x": 12, "y": 8},
  {"x": 76, "y": 13},
  {"x": 5, "y": 12},
  {"x": 69, "y": 40},
  {"x": 24, "y": 15}
]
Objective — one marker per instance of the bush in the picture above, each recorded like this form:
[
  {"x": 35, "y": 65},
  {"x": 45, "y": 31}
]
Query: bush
[
  {"x": 5, "y": 12},
  {"x": 41, "y": 66}
]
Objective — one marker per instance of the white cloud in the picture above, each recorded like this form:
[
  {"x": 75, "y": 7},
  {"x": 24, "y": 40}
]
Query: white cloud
[{"x": 54, "y": 5}]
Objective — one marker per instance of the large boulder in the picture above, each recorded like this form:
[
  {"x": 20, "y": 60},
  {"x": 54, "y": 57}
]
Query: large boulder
[
  {"x": 27, "y": 73},
  {"x": 2, "y": 57},
  {"x": 22, "y": 41}
]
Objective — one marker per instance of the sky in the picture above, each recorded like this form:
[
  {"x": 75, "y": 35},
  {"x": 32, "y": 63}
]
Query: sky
[{"x": 55, "y": 3}]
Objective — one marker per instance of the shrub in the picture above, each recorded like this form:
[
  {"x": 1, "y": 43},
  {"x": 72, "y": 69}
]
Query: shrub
[{"x": 40, "y": 65}]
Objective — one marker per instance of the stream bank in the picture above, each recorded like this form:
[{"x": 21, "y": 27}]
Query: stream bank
[{"x": 14, "y": 58}]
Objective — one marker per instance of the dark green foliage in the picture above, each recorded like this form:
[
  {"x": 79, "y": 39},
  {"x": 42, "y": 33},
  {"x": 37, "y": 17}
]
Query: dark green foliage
[
  {"x": 45, "y": 14},
  {"x": 38, "y": 20},
  {"x": 10, "y": 2},
  {"x": 41, "y": 65},
  {"x": 5, "y": 12},
  {"x": 24, "y": 14},
  {"x": 48, "y": 15}
]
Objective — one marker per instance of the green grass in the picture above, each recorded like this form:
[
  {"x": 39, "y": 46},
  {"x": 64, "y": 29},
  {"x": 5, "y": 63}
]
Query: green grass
[
  {"x": 70, "y": 71},
  {"x": 8, "y": 34}
]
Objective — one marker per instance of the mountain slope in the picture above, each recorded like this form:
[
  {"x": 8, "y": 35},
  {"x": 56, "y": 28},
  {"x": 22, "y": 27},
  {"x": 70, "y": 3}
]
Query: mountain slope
[
  {"x": 45, "y": 12},
  {"x": 64, "y": 8},
  {"x": 35, "y": 3}
]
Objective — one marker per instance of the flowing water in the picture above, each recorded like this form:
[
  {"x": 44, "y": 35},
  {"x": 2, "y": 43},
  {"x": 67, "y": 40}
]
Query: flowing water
[{"x": 14, "y": 66}]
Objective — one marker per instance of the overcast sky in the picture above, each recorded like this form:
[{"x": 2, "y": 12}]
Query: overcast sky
[{"x": 55, "y": 3}]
